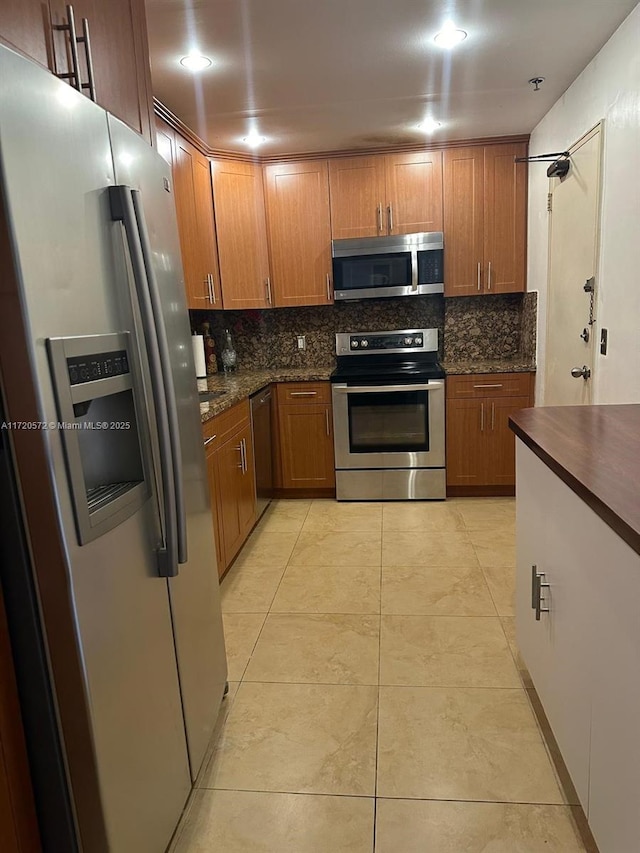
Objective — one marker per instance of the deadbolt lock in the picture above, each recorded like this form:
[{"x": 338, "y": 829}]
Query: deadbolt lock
[{"x": 585, "y": 335}]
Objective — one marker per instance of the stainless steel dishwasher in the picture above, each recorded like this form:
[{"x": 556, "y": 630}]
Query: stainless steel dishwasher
[{"x": 262, "y": 446}]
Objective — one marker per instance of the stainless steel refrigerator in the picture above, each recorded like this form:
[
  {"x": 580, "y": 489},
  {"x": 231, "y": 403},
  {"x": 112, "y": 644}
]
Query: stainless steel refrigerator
[{"x": 110, "y": 474}]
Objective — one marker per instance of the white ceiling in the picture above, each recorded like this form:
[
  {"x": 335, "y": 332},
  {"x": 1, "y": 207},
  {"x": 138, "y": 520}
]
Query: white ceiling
[{"x": 320, "y": 75}]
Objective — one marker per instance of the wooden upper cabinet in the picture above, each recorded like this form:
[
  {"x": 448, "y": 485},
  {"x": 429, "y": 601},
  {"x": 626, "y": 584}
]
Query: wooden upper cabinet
[
  {"x": 120, "y": 50},
  {"x": 386, "y": 194},
  {"x": 414, "y": 192},
  {"x": 463, "y": 221},
  {"x": 185, "y": 196},
  {"x": 208, "y": 250},
  {"x": 357, "y": 186},
  {"x": 297, "y": 196},
  {"x": 194, "y": 212},
  {"x": 484, "y": 220},
  {"x": 238, "y": 199},
  {"x": 505, "y": 220},
  {"x": 25, "y": 26}
]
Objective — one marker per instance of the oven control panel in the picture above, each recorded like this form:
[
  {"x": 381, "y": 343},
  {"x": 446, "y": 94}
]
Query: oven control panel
[{"x": 403, "y": 341}]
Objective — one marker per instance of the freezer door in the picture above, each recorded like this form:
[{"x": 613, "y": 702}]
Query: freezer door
[
  {"x": 194, "y": 592},
  {"x": 56, "y": 168}
]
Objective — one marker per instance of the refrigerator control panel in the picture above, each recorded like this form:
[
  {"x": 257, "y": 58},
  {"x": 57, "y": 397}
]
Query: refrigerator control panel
[{"x": 98, "y": 366}]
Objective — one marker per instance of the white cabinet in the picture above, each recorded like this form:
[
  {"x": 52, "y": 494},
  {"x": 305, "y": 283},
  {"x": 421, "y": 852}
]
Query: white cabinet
[{"x": 583, "y": 653}]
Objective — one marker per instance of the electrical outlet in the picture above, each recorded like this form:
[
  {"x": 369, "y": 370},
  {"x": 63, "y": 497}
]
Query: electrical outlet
[{"x": 302, "y": 342}]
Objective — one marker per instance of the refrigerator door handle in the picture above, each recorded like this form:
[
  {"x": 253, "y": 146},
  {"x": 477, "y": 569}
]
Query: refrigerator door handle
[{"x": 125, "y": 210}]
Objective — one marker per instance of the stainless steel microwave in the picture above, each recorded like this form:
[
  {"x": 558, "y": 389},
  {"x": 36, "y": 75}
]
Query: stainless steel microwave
[{"x": 401, "y": 265}]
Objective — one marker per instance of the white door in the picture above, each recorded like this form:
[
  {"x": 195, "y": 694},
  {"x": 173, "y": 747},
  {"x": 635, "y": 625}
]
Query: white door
[{"x": 573, "y": 244}]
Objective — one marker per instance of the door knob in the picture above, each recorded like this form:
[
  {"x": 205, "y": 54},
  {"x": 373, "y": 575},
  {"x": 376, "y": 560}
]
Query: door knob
[{"x": 583, "y": 372}]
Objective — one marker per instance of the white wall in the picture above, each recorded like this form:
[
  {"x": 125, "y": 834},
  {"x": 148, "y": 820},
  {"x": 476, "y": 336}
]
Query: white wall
[{"x": 609, "y": 89}]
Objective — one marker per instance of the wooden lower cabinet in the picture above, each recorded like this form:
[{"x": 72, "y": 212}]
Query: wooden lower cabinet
[
  {"x": 305, "y": 436},
  {"x": 232, "y": 481},
  {"x": 480, "y": 445}
]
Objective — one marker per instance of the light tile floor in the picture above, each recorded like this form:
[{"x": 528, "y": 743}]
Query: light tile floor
[{"x": 377, "y": 701}]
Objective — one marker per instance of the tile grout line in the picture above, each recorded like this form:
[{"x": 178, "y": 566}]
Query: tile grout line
[{"x": 264, "y": 622}]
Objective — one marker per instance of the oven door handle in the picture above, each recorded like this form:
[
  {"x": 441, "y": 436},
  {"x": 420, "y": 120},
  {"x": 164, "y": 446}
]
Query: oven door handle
[{"x": 376, "y": 389}]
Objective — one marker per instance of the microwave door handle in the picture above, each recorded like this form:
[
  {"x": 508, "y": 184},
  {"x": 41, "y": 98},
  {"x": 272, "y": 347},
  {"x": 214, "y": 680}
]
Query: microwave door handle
[
  {"x": 122, "y": 210},
  {"x": 376, "y": 389},
  {"x": 414, "y": 269}
]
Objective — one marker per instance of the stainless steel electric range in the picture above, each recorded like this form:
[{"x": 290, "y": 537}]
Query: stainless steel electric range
[{"x": 388, "y": 416}]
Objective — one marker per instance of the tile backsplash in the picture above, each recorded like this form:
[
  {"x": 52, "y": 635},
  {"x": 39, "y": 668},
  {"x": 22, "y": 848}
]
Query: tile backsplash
[{"x": 487, "y": 327}]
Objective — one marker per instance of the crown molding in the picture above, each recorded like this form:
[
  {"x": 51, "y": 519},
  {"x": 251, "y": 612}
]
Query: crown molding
[{"x": 173, "y": 121}]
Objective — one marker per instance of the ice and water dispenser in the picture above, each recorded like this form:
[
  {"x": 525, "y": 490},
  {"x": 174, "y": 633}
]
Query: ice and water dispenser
[{"x": 101, "y": 419}]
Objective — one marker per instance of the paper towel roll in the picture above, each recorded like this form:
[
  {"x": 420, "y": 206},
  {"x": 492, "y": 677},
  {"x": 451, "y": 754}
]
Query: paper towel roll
[{"x": 198, "y": 356}]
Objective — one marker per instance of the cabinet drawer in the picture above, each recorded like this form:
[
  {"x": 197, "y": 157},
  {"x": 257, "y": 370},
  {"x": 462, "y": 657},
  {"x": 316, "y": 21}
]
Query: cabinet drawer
[
  {"x": 304, "y": 392},
  {"x": 217, "y": 430},
  {"x": 488, "y": 385}
]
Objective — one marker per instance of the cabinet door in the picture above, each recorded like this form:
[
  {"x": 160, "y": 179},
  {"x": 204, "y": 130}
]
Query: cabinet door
[
  {"x": 120, "y": 52},
  {"x": 500, "y": 440},
  {"x": 299, "y": 228},
  {"x": 185, "y": 195},
  {"x": 210, "y": 458},
  {"x": 414, "y": 192},
  {"x": 238, "y": 200},
  {"x": 463, "y": 221},
  {"x": 505, "y": 217},
  {"x": 306, "y": 446},
  {"x": 357, "y": 190},
  {"x": 228, "y": 487},
  {"x": 466, "y": 444},
  {"x": 24, "y": 26},
  {"x": 557, "y": 649},
  {"x": 208, "y": 250}
]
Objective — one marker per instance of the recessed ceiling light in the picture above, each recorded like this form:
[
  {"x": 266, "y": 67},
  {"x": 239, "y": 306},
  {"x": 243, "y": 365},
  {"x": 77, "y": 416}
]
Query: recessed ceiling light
[
  {"x": 429, "y": 125},
  {"x": 195, "y": 61},
  {"x": 449, "y": 36},
  {"x": 254, "y": 139}
]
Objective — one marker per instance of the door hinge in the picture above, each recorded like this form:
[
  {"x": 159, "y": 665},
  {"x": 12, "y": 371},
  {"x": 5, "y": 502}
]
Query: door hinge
[{"x": 549, "y": 202}]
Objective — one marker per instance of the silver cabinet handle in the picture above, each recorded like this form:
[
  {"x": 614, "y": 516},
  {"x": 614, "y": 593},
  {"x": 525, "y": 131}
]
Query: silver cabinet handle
[
  {"x": 244, "y": 455},
  {"x": 267, "y": 282},
  {"x": 328, "y": 288},
  {"x": 70, "y": 27},
  {"x": 540, "y": 584},
  {"x": 212, "y": 288},
  {"x": 390, "y": 214},
  {"x": 86, "y": 40},
  {"x": 326, "y": 414},
  {"x": 209, "y": 292},
  {"x": 303, "y": 393},
  {"x": 488, "y": 386},
  {"x": 379, "y": 217},
  {"x": 209, "y": 440},
  {"x": 481, "y": 417},
  {"x": 493, "y": 415},
  {"x": 478, "y": 275},
  {"x": 240, "y": 451},
  {"x": 376, "y": 389},
  {"x": 489, "y": 276}
]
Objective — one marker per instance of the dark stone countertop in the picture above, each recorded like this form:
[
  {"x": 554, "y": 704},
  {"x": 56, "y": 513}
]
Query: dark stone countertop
[
  {"x": 242, "y": 383},
  {"x": 595, "y": 450},
  {"x": 507, "y": 365}
]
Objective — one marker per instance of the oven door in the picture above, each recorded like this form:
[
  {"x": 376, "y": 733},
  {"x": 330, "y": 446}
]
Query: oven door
[{"x": 389, "y": 426}]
